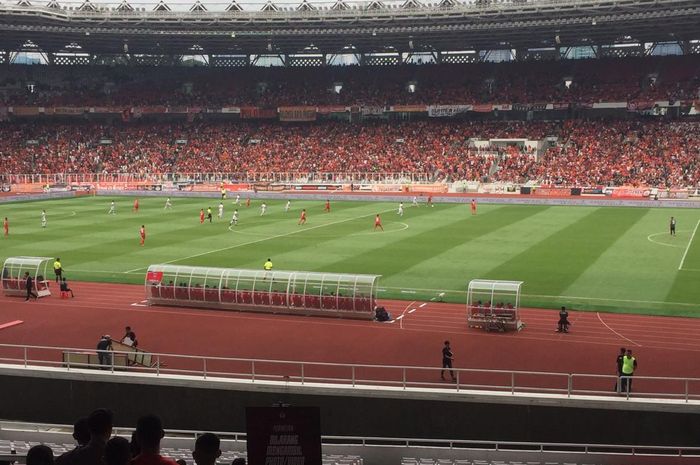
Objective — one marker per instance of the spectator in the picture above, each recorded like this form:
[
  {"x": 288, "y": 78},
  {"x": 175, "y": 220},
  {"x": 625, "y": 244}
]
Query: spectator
[
  {"x": 104, "y": 351},
  {"x": 117, "y": 451},
  {"x": 238, "y": 461},
  {"x": 81, "y": 434},
  {"x": 149, "y": 432},
  {"x": 100, "y": 425},
  {"x": 206, "y": 449},
  {"x": 40, "y": 455}
]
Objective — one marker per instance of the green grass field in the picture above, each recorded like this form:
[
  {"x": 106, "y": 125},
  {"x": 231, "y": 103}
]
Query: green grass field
[{"x": 594, "y": 258}]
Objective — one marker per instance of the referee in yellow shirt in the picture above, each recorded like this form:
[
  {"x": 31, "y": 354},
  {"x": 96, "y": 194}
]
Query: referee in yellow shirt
[{"x": 58, "y": 269}]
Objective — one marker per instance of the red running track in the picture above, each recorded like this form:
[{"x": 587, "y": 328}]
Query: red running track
[{"x": 664, "y": 346}]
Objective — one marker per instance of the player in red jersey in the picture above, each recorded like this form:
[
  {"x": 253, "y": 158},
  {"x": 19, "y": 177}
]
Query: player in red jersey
[
  {"x": 142, "y": 233},
  {"x": 327, "y": 209},
  {"x": 136, "y": 206},
  {"x": 6, "y": 227},
  {"x": 201, "y": 216},
  {"x": 247, "y": 202},
  {"x": 430, "y": 201},
  {"x": 473, "y": 207},
  {"x": 302, "y": 218},
  {"x": 378, "y": 223}
]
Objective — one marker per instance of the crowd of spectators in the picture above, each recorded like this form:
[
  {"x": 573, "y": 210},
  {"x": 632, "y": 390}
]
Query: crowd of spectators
[
  {"x": 651, "y": 153},
  {"x": 568, "y": 81},
  {"x": 97, "y": 446}
]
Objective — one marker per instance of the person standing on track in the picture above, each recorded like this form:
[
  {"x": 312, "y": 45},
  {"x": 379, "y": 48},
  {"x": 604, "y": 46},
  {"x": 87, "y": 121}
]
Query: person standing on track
[
  {"x": 447, "y": 358},
  {"x": 563, "y": 325},
  {"x": 302, "y": 218},
  {"x": 58, "y": 269},
  {"x": 618, "y": 363},
  {"x": 142, "y": 233},
  {"x": 29, "y": 284},
  {"x": 672, "y": 226},
  {"x": 629, "y": 365},
  {"x": 378, "y": 223}
]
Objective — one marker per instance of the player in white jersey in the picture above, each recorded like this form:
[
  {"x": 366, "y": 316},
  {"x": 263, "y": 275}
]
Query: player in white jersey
[
  {"x": 263, "y": 208},
  {"x": 288, "y": 206},
  {"x": 221, "y": 210},
  {"x": 234, "y": 218},
  {"x": 112, "y": 209},
  {"x": 168, "y": 204},
  {"x": 238, "y": 199},
  {"x": 400, "y": 211},
  {"x": 415, "y": 201},
  {"x": 43, "y": 218}
]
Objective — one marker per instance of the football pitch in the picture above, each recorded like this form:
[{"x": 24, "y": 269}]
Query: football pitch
[{"x": 589, "y": 258}]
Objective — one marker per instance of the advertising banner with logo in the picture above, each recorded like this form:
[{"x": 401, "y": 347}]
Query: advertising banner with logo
[
  {"x": 447, "y": 111},
  {"x": 297, "y": 113}
]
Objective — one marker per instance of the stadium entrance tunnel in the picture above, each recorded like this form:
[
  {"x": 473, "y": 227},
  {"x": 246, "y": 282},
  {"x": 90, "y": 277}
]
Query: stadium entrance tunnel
[{"x": 292, "y": 292}]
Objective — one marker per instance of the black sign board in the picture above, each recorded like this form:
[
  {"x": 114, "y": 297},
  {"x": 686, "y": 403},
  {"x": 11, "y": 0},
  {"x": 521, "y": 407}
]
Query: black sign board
[{"x": 284, "y": 435}]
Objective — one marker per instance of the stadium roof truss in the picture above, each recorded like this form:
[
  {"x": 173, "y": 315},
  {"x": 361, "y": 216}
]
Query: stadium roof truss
[{"x": 333, "y": 27}]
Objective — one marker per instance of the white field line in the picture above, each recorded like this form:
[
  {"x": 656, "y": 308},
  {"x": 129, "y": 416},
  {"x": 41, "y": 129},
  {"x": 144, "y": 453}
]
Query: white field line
[
  {"x": 259, "y": 240},
  {"x": 615, "y": 332},
  {"x": 649, "y": 238},
  {"x": 687, "y": 248},
  {"x": 423, "y": 304},
  {"x": 404, "y": 312}
]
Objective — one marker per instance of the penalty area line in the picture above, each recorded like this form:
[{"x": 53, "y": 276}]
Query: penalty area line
[{"x": 687, "y": 248}]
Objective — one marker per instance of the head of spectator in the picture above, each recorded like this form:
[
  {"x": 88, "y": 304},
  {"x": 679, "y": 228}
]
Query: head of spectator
[
  {"x": 40, "y": 455},
  {"x": 206, "y": 449},
  {"x": 149, "y": 432},
  {"x": 134, "y": 445},
  {"x": 181, "y": 462},
  {"x": 117, "y": 451},
  {"x": 81, "y": 430},
  {"x": 238, "y": 461},
  {"x": 100, "y": 425}
]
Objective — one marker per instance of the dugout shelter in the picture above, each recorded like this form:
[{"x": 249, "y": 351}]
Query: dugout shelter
[
  {"x": 494, "y": 305},
  {"x": 293, "y": 292},
  {"x": 13, "y": 282}
]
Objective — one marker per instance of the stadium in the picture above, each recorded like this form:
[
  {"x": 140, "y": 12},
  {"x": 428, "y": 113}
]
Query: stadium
[{"x": 350, "y": 232}]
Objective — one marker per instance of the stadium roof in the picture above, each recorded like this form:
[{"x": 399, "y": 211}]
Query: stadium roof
[{"x": 340, "y": 26}]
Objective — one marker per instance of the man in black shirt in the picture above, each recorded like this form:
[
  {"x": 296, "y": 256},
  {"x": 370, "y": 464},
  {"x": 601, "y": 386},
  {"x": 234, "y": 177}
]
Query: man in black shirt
[
  {"x": 672, "y": 226},
  {"x": 447, "y": 358},
  {"x": 618, "y": 362},
  {"x": 129, "y": 335},
  {"x": 104, "y": 348},
  {"x": 29, "y": 283},
  {"x": 563, "y": 326},
  {"x": 65, "y": 288}
]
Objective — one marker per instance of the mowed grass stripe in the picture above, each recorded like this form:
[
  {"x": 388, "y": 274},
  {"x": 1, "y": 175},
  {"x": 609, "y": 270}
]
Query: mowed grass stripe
[
  {"x": 557, "y": 261},
  {"x": 473, "y": 259},
  {"x": 395, "y": 257},
  {"x": 686, "y": 285}
]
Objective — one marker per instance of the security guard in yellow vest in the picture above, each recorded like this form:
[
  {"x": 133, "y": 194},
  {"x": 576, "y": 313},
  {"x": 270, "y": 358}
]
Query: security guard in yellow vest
[
  {"x": 629, "y": 364},
  {"x": 268, "y": 265},
  {"x": 58, "y": 269}
]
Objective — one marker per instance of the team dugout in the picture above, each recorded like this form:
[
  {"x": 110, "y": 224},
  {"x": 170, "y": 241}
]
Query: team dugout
[
  {"x": 14, "y": 282},
  {"x": 296, "y": 292}
]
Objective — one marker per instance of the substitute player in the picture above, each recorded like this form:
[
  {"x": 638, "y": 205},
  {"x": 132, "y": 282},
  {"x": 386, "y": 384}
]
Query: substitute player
[
  {"x": 142, "y": 233},
  {"x": 473, "y": 207},
  {"x": 302, "y": 218},
  {"x": 6, "y": 227},
  {"x": 400, "y": 210},
  {"x": 43, "y": 218},
  {"x": 327, "y": 208},
  {"x": 201, "y": 216},
  {"x": 288, "y": 206},
  {"x": 378, "y": 223},
  {"x": 234, "y": 218},
  {"x": 672, "y": 226},
  {"x": 112, "y": 209},
  {"x": 263, "y": 208},
  {"x": 221, "y": 210},
  {"x": 168, "y": 204},
  {"x": 136, "y": 206}
]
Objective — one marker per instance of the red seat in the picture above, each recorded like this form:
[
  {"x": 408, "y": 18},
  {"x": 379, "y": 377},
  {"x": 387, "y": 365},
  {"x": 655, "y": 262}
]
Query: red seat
[
  {"x": 244, "y": 297},
  {"x": 297, "y": 300},
  {"x": 211, "y": 295},
  {"x": 329, "y": 302}
]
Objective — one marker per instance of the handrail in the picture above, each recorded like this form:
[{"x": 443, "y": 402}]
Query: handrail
[
  {"x": 512, "y": 382},
  {"x": 381, "y": 441}
]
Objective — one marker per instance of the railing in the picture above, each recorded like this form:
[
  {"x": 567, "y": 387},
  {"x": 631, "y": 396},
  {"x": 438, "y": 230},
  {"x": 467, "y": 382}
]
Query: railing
[{"x": 509, "y": 382}]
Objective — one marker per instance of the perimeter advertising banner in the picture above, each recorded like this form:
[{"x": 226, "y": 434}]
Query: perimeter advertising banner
[
  {"x": 283, "y": 435},
  {"x": 302, "y": 113}
]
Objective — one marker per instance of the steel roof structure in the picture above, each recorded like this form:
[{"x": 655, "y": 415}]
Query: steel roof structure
[{"x": 343, "y": 27}]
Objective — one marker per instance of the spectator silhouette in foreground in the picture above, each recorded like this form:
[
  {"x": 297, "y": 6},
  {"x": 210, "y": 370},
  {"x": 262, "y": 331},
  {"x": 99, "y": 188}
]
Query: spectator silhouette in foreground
[
  {"x": 149, "y": 432},
  {"x": 81, "y": 434},
  {"x": 40, "y": 455},
  {"x": 238, "y": 461},
  {"x": 117, "y": 451},
  {"x": 206, "y": 449},
  {"x": 100, "y": 425}
]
